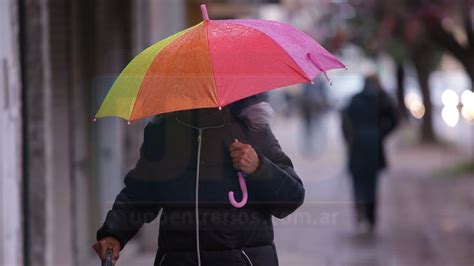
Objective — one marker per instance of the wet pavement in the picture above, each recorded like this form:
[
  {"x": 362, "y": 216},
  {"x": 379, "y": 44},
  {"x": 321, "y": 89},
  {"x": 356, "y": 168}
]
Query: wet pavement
[{"x": 423, "y": 220}]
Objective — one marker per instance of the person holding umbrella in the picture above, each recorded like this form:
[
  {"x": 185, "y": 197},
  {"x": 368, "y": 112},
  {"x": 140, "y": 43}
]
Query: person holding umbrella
[
  {"x": 164, "y": 179},
  {"x": 210, "y": 128}
]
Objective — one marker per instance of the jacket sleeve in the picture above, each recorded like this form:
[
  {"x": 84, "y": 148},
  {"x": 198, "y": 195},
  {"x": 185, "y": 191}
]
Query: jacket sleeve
[
  {"x": 132, "y": 207},
  {"x": 275, "y": 183}
]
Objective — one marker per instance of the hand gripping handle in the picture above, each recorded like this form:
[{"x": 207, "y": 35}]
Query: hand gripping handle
[{"x": 108, "y": 258}]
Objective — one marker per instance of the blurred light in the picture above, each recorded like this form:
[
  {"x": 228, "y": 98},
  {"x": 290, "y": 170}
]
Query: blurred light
[
  {"x": 467, "y": 98},
  {"x": 415, "y": 105},
  {"x": 410, "y": 98},
  {"x": 272, "y": 12},
  {"x": 450, "y": 115},
  {"x": 450, "y": 98},
  {"x": 417, "y": 110},
  {"x": 467, "y": 112}
]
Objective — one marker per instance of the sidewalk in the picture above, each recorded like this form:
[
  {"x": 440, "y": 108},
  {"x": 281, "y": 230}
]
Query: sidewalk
[{"x": 424, "y": 220}]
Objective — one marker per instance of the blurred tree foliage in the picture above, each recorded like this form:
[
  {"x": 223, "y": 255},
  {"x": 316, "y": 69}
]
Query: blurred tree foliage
[
  {"x": 450, "y": 24},
  {"x": 416, "y": 32}
]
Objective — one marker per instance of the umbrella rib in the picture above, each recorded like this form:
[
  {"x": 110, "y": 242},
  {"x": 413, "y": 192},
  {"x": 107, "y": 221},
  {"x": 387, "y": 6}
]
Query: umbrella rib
[
  {"x": 212, "y": 65},
  {"x": 316, "y": 63}
]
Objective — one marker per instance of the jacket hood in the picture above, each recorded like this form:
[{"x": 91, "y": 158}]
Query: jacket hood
[{"x": 209, "y": 117}]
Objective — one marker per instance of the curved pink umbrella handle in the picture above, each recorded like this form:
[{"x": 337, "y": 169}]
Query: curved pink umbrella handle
[{"x": 243, "y": 187}]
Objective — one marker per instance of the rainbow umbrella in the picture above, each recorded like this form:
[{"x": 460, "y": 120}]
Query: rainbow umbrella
[{"x": 213, "y": 64}]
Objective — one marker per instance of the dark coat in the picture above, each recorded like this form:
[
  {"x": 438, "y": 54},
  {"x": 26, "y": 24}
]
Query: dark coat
[
  {"x": 367, "y": 120},
  {"x": 165, "y": 178}
]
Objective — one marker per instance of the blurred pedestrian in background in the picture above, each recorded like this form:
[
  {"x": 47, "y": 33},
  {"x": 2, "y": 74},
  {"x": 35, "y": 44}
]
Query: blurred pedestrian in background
[
  {"x": 366, "y": 122},
  {"x": 289, "y": 102},
  {"x": 313, "y": 104},
  {"x": 237, "y": 138}
]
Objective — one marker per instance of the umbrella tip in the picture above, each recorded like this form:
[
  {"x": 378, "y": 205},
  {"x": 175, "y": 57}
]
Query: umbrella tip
[
  {"x": 128, "y": 122},
  {"x": 220, "y": 108},
  {"x": 205, "y": 15}
]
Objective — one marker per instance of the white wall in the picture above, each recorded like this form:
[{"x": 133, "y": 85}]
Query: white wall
[{"x": 10, "y": 138}]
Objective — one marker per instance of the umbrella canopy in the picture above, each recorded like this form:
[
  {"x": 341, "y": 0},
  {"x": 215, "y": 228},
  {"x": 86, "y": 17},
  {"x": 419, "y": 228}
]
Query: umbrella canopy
[{"x": 213, "y": 64}]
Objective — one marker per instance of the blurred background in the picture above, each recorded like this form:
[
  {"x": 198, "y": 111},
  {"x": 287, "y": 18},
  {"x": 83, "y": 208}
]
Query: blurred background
[{"x": 60, "y": 171}]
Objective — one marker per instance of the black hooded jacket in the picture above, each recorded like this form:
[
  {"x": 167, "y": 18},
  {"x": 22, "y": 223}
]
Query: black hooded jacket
[
  {"x": 165, "y": 179},
  {"x": 370, "y": 117}
]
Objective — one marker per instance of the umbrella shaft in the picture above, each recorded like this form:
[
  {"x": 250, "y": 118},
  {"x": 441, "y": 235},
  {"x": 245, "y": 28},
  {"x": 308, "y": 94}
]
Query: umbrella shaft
[{"x": 199, "y": 139}]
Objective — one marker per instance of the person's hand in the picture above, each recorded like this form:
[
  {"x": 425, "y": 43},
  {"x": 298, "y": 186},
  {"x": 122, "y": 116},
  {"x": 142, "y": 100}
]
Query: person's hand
[
  {"x": 105, "y": 244},
  {"x": 244, "y": 157}
]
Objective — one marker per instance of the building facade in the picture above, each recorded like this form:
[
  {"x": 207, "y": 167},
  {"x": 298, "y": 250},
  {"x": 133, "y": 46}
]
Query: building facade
[
  {"x": 60, "y": 171},
  {"x": 11, "y": 236}
]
